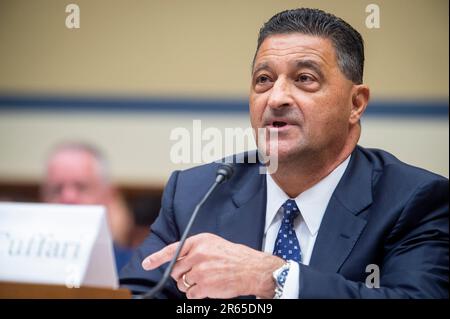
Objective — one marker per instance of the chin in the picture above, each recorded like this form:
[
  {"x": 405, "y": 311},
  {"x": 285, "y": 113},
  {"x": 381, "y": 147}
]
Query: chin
[{"x": 283, "y": 154}]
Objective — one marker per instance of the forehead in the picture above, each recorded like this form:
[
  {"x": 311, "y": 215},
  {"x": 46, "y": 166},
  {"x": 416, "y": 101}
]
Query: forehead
[
  {"x": 281, "y": 47},
  {"x": 72, "y": 162}
]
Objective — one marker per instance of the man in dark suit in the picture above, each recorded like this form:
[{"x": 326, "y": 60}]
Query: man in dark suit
[{"x": 334, "y": 220}]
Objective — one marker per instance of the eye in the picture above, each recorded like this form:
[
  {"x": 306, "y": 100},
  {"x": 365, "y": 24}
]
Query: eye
[
  {"x": 81, "y": 187},
  {"x": 262, "y": 79},
  {"x": 305, "y": 78}
]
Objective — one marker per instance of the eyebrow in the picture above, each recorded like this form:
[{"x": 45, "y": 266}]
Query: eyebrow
[
  {"x": 307, "y": 64},
  {"x": 261, "y": 66},
  {"x": 310, "y": 64}
]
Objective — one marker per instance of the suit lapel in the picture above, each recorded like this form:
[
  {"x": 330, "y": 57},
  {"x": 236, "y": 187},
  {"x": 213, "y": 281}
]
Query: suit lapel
[
  {"x": 341, "y": 226},
  {"x": 245, "y": 224},
  {"x": 338, "y": 233}
]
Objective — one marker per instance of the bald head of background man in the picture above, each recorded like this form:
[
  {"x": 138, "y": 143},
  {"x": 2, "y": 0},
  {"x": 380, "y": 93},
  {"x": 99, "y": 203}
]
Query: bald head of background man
[{"x": 76, "y": 174}]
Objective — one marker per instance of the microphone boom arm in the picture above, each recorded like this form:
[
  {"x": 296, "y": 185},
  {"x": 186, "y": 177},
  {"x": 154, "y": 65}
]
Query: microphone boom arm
[{"x": 223, "y": 173}]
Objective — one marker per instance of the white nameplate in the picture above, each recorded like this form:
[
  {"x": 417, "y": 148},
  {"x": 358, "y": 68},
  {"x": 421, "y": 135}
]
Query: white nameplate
[{"x": 56, "y": 244}]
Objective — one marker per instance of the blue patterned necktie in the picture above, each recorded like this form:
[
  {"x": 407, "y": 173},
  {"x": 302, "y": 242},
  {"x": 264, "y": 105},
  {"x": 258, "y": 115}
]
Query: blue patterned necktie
[{"x": 286, "y": 244}]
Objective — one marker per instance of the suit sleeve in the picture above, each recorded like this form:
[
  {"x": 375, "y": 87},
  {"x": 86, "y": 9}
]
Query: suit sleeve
[
  {"x": 416, "y": 255},
  {"x": 163, "y": 232}
]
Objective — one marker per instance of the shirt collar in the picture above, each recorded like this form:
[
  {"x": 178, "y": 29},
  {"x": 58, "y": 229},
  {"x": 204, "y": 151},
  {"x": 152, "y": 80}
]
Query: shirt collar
[{"x": 312, "y": 203}]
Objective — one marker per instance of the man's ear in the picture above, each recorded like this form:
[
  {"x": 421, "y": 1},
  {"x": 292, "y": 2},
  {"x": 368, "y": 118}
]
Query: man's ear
[{"x": 360, "y": 99}]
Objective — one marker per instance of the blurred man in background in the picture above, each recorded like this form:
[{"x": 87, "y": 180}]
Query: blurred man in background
[{"x": 77, "y": 173}]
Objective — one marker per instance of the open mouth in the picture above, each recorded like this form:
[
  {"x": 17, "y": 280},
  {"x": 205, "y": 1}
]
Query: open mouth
[{"x": 279, "y": 124}]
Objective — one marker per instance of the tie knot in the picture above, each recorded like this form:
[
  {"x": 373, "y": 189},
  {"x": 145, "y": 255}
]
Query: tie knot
[{"x": 290, "y": 211}]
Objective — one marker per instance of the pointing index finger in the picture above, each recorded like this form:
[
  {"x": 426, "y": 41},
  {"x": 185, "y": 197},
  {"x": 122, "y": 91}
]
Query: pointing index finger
[{"x": 165, "y": 255}]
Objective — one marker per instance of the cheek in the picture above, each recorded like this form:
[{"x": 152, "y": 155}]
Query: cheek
[
  {"x": 342, "y": 100},
  {"x": 257, "y": 106},
  {"x": 334, "y": 109},
  {"x": 323, "y": 117}
]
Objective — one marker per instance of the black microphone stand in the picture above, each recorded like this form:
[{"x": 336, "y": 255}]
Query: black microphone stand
[{"x": 224, "y": 172}]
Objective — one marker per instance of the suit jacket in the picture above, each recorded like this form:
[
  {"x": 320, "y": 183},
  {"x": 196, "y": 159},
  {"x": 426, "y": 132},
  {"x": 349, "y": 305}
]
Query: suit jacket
[{"x": 382, "y": 212}]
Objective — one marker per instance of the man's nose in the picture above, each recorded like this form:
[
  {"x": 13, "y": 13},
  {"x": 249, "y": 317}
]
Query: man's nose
[
  {"x": 70, "y": 195},
  {"x": 280, "y": 95}
]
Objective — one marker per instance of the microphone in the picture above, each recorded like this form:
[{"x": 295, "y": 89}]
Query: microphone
[{"x": 223, "y": 174}]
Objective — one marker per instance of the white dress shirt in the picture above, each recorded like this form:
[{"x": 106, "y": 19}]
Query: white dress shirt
[{"x": 312, "y": 204}]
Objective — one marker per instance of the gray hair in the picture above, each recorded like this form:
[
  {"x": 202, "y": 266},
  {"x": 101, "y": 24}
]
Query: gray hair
[{"x": 100, "y": 159}]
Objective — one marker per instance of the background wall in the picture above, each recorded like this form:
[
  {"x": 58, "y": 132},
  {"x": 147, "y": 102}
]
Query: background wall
[{"x": 135, "y": 70}]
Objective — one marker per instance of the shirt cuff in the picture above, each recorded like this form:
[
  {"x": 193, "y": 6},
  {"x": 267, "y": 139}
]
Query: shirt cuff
[{"x": 292, "y": 283}]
